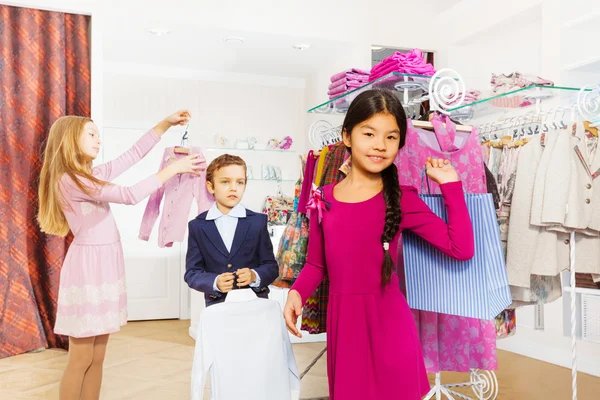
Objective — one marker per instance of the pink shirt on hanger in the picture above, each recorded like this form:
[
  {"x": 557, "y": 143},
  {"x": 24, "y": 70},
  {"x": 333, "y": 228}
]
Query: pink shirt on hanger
[{"x": 178, "y": 192}]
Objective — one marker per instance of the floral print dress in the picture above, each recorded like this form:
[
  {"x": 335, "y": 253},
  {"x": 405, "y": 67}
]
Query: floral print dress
[{"x": 449, "y": 343}]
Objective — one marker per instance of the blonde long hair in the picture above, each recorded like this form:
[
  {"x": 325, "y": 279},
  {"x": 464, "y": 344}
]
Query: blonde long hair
[{"x": 62, "y": 156}]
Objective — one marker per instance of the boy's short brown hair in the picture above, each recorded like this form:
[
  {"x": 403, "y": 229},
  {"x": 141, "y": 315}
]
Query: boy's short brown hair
[{"x": 223, "y": 161}]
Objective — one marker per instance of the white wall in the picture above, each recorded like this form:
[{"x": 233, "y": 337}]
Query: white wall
[{"x": 511, "y": 47}]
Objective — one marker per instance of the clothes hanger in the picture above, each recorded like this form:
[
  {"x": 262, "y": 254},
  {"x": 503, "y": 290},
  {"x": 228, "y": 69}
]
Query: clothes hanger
[
  {"x": 429, "y": 126},
  {"x": 280, "y": 192},
  {"x": 589, "y": 128},
  {"x": 183, "y": 149}
]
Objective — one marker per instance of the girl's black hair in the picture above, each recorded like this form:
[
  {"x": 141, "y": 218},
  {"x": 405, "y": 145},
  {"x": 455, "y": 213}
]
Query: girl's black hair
[{"x": 365, "y": 106}]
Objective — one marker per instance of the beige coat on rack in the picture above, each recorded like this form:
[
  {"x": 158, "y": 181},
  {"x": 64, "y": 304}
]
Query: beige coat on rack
[
  {"x": 531, "y": 248},
  {"x": 571, "y": 197}
]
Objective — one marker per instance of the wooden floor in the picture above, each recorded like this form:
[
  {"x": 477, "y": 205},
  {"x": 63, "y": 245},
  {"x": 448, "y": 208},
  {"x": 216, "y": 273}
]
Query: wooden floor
[{"x": 152, "y": 361}]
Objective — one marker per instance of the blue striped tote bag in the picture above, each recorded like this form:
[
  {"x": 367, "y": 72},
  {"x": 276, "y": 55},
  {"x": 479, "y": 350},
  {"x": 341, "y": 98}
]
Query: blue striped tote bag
[{"x": 477, "y": 288}]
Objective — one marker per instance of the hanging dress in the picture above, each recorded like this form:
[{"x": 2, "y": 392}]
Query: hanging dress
[{"x": 449, "y": 343}]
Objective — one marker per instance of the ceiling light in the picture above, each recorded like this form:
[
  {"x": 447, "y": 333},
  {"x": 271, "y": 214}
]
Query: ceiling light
[
  {"x": 234, "y": 40},
  {"x": 301, "y": 46},
  {"x": 375, "y": 48},
  {"x": 159, "y": 31}
]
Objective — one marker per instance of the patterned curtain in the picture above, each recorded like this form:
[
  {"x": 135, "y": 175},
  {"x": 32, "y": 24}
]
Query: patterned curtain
[{"x": 44, "y": 74}]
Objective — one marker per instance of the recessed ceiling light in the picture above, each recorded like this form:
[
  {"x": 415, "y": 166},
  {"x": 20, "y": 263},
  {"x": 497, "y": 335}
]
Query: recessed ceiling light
[
  {"x": 234, "y": 40},
  {"x": 301, "y": 46},
  {"x": 159, "y": 31},
  {"x": 376, "y": 48}
]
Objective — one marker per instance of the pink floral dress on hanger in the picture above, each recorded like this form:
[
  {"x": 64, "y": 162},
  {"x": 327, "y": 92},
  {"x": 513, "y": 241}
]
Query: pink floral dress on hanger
[{"x": 449, "y": 343}]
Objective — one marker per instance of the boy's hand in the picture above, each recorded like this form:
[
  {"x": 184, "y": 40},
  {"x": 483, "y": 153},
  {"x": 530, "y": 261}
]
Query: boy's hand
[
  {"x": 225, "y": 282},
  {"x": 245, "y": 276}
]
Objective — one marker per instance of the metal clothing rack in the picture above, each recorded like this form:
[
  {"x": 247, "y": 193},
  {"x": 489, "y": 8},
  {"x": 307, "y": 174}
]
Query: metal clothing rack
[{"x": 587, "y": 106}]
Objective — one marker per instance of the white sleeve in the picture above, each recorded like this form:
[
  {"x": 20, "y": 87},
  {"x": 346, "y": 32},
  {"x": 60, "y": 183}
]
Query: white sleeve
[{"x": 203, "y": 359}]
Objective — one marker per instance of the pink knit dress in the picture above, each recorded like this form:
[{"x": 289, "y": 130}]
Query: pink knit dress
[{"x": 92, "y": 298}]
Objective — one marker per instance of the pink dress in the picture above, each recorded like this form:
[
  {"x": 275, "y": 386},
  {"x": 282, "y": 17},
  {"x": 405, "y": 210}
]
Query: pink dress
[
  {"x": 450, "y": 343},
  {"x": 92, "y": 298},
  {"x": 373, "y": 349}
]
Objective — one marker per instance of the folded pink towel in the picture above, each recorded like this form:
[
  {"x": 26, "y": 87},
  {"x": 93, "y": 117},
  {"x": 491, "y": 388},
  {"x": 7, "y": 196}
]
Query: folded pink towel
[
  {"x": 349, "y": 82},
  {"x": 412, "y": 62},
  {"x": 343, "y": 74}
]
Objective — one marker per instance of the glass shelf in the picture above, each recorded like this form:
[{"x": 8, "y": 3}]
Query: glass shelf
[
  {"x": 252, "y": 150},
  {"x": 519, "y": 99},
  {"x": 413, "y": 89},
  {"x": 410, "y": 87}
]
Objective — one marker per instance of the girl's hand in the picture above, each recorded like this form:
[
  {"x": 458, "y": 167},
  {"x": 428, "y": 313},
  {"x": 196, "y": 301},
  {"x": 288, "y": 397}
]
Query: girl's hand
[
  {"x": 190, "y": 164},
  {"x": 181, "y": 117},
  {"x": 291, "y": 312},
  {"x": 440, "y": 171}
]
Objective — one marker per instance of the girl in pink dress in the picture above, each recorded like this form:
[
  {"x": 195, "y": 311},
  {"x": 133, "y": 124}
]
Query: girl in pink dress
[
  {"x": 373, "y": 349},
  {"x": 92, "y": 301}
]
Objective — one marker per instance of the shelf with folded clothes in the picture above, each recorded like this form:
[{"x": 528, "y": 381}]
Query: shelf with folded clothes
[
  {"x": 410, "y": 87},
  {"x": 515, "y": 100}
]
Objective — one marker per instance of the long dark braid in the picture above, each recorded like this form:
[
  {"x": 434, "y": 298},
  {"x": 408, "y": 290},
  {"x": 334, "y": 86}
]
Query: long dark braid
[
  {"x": 393, "y": 216},
  {"x": 365, "y": 106}
]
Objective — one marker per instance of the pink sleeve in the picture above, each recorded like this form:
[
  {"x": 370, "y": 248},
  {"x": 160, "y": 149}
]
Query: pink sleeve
[
  {"x": 111, "y": 193},
  {"x": 454, "y": 238},
  {"x": 153, "y": 206},
  {"x": 116, "y": 167},
  {"x": 314, "y": 269}
]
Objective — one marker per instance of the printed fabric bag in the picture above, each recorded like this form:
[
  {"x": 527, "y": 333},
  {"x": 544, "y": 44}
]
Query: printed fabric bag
[
  {"x": 278, "y": 208},
  {"x": 293, "y": 246},
  {"x": 477, "y": 288}
]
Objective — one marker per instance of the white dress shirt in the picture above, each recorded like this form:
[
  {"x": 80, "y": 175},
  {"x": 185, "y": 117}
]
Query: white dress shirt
[
  {"x": 263, "y": 369},
  {"x": 226, "y": 225}
]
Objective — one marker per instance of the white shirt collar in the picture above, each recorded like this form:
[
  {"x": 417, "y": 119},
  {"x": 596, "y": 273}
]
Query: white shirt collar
[{"x": 239, "y": 211}]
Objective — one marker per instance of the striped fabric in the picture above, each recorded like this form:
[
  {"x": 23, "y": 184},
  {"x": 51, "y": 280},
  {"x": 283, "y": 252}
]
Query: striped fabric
[{"x": 477, "y": 288}]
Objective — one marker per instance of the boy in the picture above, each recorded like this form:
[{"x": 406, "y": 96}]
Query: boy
[{"x": 229, "y": 246}]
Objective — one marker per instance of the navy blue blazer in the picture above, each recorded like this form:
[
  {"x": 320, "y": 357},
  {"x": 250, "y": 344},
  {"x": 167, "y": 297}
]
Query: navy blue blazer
[{"x": 207, "y": 257}]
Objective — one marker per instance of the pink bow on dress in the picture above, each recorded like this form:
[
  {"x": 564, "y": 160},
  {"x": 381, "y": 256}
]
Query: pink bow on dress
[{"x": 317, "y": 202}]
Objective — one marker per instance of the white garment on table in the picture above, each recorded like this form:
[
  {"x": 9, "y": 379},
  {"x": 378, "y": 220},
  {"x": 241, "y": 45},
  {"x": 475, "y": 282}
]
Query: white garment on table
[{"x": 264, "y": 369}]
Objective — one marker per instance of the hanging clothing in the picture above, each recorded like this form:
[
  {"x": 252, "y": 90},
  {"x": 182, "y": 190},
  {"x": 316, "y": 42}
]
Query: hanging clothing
[
  {"x": 314, "y": 320},
  {"x": 309, "y": 173},
  {"x": 298, "y": 185},
  {"x": 263, "y": 368},
  {"x": 373, "y": 351},
  {"x": 506, "y": 321},
  {"x": 449, "y": 343},
  {"x": 92, "y": 297},
  {"x": 531, "y": 248},
  {"x": 569, "y": 198},
  {"x": 178, "y": 193},
  {"x": 291, "y": 253},
  {"x": 492, "y": 187},
  {"x": 542, "y": 289}
]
